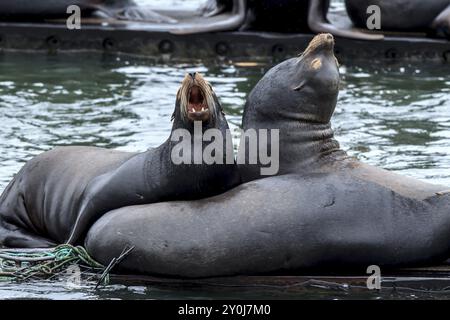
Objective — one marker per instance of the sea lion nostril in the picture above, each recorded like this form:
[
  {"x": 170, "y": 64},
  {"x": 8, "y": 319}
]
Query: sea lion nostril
[{"x": 329, "y": 37}]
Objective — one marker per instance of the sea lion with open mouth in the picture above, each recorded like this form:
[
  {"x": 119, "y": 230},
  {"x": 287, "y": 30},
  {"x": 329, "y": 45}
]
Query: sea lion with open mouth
[
  {"x": 324, "y": 209},
  {"x": 57, "y": 195}
]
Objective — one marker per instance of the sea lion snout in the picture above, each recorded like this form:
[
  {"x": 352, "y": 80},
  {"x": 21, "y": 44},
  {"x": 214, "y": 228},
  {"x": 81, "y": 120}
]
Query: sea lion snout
[
  {"x": 323, "y": 42},
  {"x": 326, "y": 39}
]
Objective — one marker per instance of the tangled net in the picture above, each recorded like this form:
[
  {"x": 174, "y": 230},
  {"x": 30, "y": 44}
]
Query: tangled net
[{"x": 31, "y": 264}]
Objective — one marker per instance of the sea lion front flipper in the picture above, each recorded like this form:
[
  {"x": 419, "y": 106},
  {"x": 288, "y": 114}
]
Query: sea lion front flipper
[
  {"x": 142, "y": 13},
  {"x": 318, "y": 23},
  {"x": 441, "y": 24},
  {"x": 233, "y": 22}
]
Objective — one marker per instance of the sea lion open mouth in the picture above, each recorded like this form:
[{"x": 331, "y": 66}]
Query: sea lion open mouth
[
  {"x": 197, "y": 102},
  {"x": 197, "y": 108}
]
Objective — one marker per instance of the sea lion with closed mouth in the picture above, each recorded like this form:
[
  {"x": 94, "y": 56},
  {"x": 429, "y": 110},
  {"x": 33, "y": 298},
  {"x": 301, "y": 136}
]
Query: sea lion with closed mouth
[
  {"x": 432, "y": 16},
  {"x": 57, "y": 195},
  {"x": 324, "y": 209}
]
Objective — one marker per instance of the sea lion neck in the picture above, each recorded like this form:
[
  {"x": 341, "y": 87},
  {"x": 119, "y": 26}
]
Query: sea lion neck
[
  {"x": 302, "y": 145},
  {"x": 307, "y": 145}
]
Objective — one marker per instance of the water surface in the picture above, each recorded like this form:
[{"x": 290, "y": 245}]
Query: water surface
[{"x": 396, "y": 117}]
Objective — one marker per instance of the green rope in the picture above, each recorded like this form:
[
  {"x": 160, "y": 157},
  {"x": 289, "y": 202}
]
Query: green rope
[{"x": 44, "y": 264}]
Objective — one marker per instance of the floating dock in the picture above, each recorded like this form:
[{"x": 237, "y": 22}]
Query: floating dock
[{"x": 160, "y": 42}]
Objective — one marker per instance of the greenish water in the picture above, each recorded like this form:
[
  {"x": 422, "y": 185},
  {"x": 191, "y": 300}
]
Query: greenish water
[
  {"x": 305, "y": 290},
  {"x": 396, "y": 117}
]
